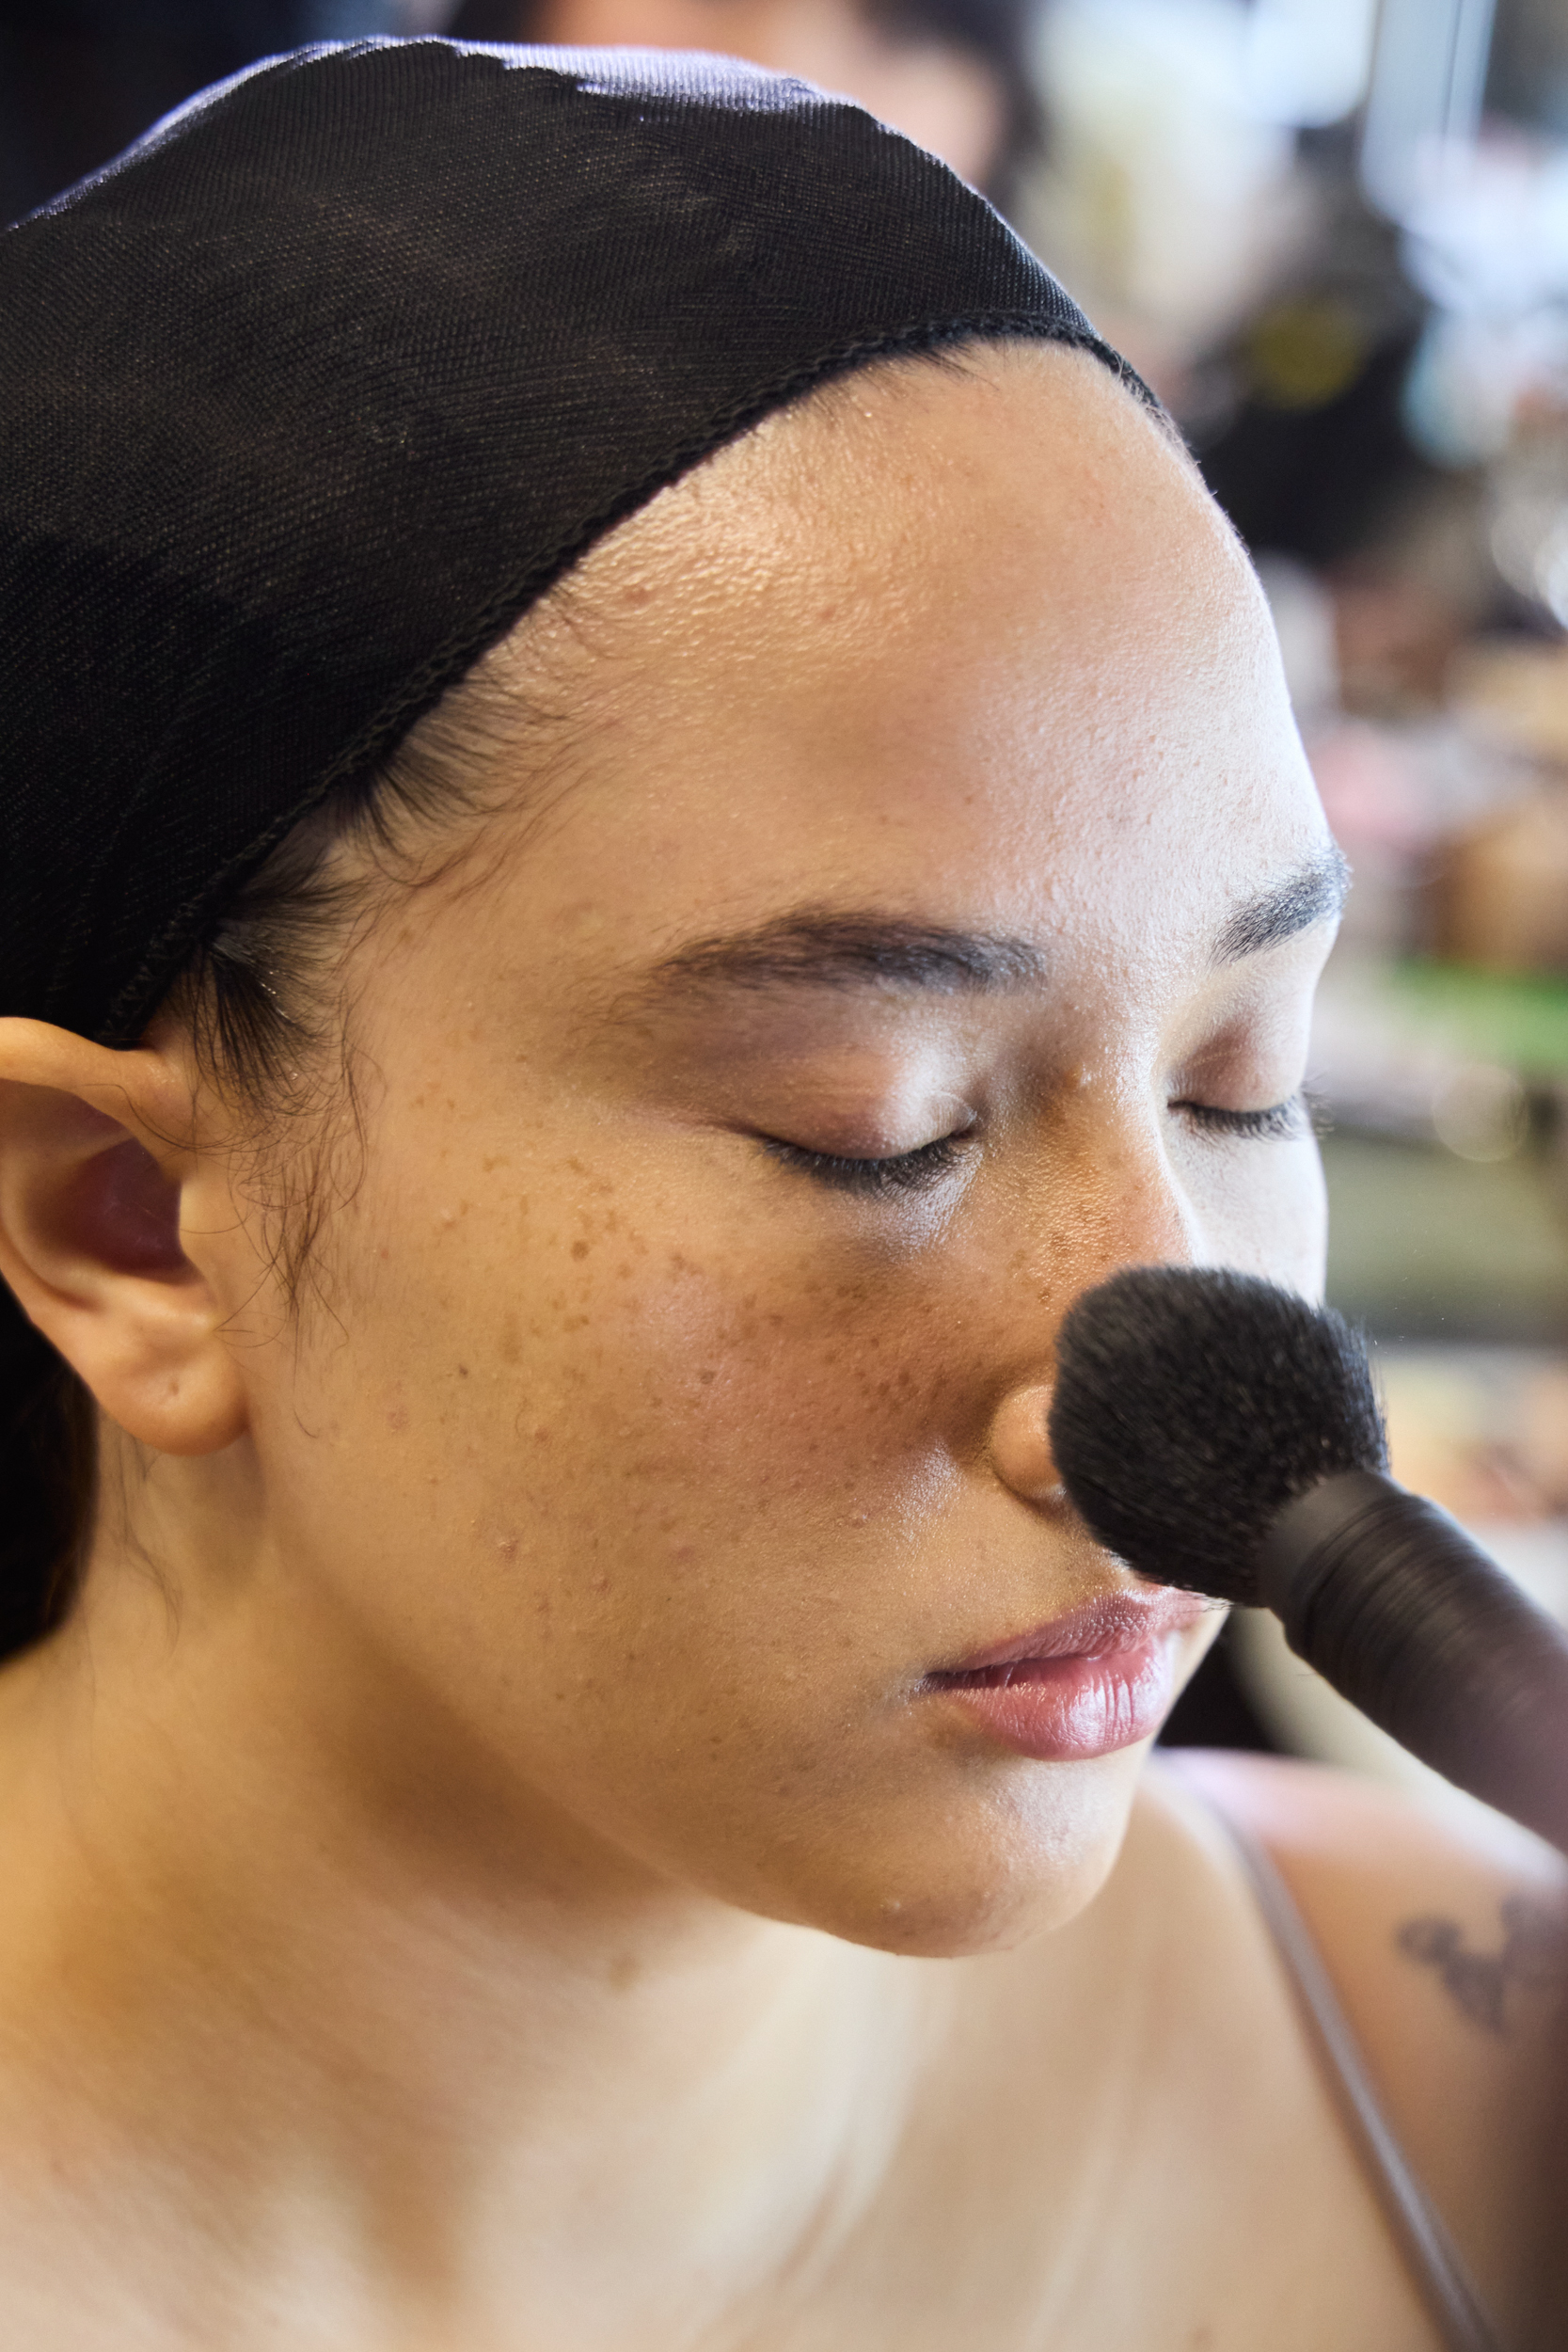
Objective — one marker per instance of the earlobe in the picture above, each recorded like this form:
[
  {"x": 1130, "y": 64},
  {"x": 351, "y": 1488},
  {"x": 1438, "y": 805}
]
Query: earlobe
[{"x": 93, "y": 1198}]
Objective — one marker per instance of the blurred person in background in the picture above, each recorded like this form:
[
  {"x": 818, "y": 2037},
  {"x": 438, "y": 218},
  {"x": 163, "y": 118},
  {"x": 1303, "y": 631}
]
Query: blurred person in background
[
  {"x": 79, "y": 79},
  {"x": 951, "y": 75}
]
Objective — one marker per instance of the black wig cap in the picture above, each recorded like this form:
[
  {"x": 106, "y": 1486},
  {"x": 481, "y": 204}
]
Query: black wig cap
[{"x": 310, "y": 394}]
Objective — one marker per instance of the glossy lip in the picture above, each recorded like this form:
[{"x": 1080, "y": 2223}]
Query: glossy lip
[
  {"x": 1083, "y": 1685},
  {"x": 1111, "y": 1623}
]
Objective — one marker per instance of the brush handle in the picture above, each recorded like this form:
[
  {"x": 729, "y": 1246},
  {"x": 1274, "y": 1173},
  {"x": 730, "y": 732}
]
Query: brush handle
[{"x": 1394, "y": 1605}]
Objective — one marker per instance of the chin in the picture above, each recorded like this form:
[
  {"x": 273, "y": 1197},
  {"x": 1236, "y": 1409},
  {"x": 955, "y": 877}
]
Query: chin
[{"x": 975, "y": 1877}]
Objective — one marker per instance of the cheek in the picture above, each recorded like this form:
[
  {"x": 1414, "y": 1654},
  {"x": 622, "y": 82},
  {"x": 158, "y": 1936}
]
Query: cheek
[
  {"x": 670, "y": 1493},
  {"x": 1262, "y": 1207},
  {"x": 650, "y": 1420}
]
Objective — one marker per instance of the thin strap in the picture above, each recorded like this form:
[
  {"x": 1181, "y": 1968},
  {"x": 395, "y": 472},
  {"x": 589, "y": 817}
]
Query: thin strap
[{"x": 1433, "y": 2258}]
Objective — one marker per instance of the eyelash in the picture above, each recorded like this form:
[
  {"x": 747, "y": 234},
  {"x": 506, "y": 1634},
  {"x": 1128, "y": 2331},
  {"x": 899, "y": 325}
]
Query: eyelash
[
  {"x": 1282, "y": 1122},
  {"x": 918, "y": 1171},
  {"x": 907, "y": 1171}
]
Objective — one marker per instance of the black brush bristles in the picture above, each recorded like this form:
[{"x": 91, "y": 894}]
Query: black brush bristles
[{"x": 1192, "y": 1404}]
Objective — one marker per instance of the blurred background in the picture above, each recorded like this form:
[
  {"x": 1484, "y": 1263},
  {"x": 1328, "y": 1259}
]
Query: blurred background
[{"x": 1334, "y": 235}]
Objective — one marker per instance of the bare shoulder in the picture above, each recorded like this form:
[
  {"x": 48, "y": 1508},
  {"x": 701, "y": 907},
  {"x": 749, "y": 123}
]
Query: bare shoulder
[{"x": 1450, "y": 1955}]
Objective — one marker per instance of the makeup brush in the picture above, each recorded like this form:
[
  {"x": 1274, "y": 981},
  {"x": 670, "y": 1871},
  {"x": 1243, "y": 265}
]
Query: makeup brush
[{"x": 1218, "y": 1433}]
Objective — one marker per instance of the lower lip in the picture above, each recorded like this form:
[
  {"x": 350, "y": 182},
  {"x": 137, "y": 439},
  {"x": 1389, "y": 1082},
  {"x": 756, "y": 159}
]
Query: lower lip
[{"x": 1066, "y": 1710}]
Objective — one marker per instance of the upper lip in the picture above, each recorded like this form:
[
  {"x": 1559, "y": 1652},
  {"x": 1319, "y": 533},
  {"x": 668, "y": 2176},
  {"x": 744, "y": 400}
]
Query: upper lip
[{"x": 1113, "y": 1622}]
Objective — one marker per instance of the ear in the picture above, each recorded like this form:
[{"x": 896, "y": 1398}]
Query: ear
[{"x": 97, "y": 1198}]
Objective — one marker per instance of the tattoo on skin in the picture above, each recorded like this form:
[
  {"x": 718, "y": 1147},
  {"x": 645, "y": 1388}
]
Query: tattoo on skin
[{"x": 1533, "y": 1958}]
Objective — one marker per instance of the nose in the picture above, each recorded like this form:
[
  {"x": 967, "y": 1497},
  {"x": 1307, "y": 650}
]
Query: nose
[
  {"x": 1020, "y": 1448},
  {"x": 1142, "y": 1220}
]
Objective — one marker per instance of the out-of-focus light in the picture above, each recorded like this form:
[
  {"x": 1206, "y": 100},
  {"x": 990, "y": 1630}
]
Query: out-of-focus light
[
  {"x": 1479, "y": 1111},
  {"x": 1472, "y": 377},
  {"x": 1529, "y": 530},
  {"x": 1168, "y": 200},
  {"x": 1307, "y": 62},
  {"x": 1551, "y": 569},
  {"x": 1429, "y": 75}
]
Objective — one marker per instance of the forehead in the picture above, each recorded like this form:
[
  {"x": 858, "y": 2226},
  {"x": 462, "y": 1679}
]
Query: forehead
[{"x": 968, "y": 640}]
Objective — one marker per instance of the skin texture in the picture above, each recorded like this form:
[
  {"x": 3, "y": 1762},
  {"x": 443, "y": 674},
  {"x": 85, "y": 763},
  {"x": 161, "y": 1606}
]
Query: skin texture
[{"x": 474, "y": 1850}]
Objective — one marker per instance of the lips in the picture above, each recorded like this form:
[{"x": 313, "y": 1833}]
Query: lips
[{"x": 1099, "y": 1678}]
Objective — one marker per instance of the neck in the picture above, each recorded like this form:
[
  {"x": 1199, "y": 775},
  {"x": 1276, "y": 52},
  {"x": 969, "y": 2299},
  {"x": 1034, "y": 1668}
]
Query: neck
[{"x": 265, "y": 1894}]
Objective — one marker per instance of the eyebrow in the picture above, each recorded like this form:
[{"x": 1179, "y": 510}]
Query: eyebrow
[
  {"x": 1310, "y": 896},
  {"x": 821, "y": 950},
  {"x": 809, "y": 949}
]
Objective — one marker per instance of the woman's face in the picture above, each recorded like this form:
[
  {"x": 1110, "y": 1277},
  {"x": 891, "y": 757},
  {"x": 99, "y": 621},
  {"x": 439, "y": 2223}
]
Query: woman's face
[{"x": 909, "y": 932}]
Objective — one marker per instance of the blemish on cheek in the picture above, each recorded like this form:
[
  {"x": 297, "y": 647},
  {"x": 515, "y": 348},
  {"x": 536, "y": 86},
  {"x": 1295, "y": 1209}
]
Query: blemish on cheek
[
  {"x": 509, "y": 1347},
  {"x": 397, "y": 1418},
  {"x": 461, "y": 1371},
  {"x": 581, "y": 1249},
  {"x": 705, "y": 1379}
]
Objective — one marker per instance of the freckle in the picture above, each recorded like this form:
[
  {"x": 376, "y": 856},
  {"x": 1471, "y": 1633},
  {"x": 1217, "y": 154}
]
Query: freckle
[
  {"x": 577, "y": 1168},
  {"x": 579, "y": 1249},
  {"x": 509, "y": 1347},
  {"x": 624, "y": 1273},
  {"x": 461, "y": 1371},
  {"x": 707, "y": 1378},
  {"x": 501, "y": 1160},
  {"x": 397, "y": 1417}
]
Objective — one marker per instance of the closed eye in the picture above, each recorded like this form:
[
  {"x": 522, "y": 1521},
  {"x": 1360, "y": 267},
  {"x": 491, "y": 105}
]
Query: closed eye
[
  {"x": 1282, "y": 1122},
  {"x": 904, "y": 1172}
]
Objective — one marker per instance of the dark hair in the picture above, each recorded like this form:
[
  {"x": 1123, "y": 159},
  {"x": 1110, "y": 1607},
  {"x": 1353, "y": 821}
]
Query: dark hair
[
  {"x": 258, "y": 1001},
  {"x": 995, "y": 32}
]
